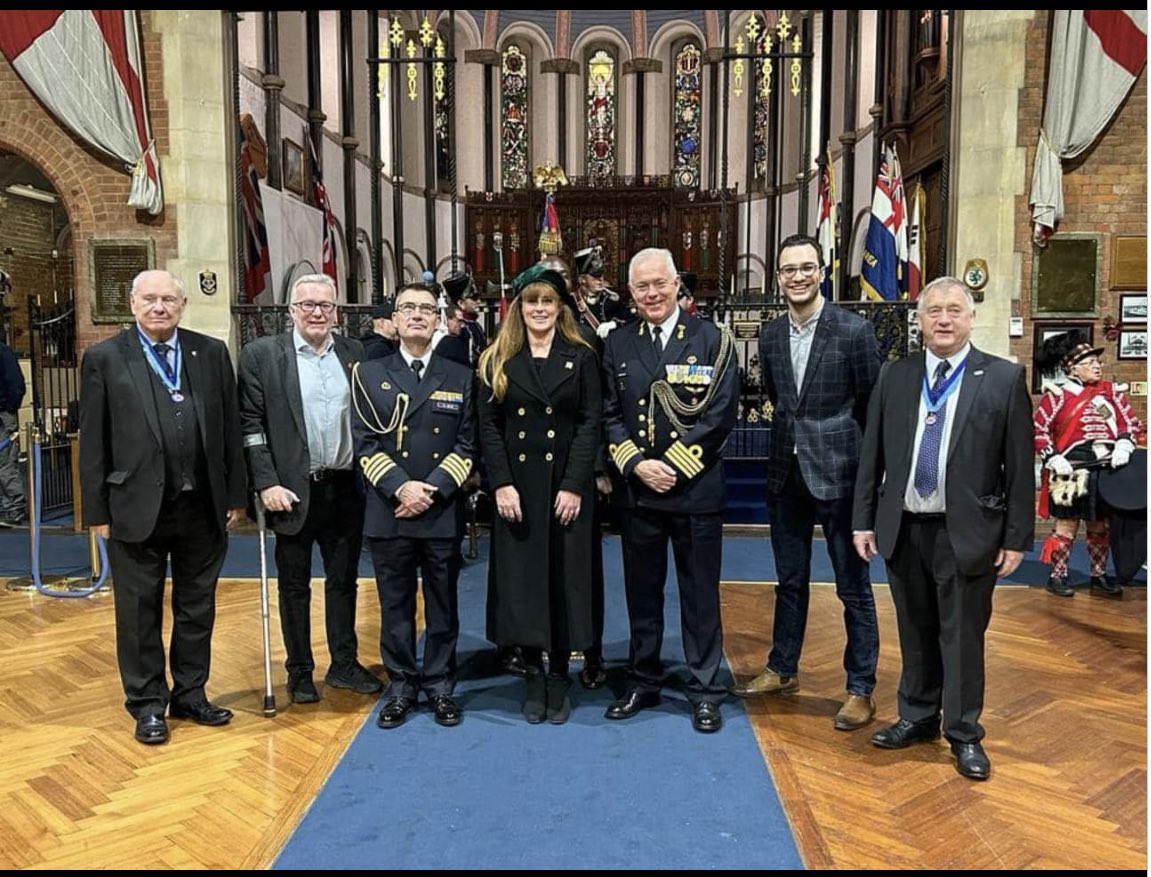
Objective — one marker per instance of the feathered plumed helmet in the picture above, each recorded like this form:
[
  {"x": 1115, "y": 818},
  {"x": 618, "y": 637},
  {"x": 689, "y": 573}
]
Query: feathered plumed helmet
[{"x": 1064, "y": 350}]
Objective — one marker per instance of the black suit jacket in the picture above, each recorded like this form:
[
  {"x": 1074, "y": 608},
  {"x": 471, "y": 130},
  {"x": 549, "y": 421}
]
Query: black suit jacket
[
  {"x": 630, "y": 367},
  {"x": 990, "y": 476},
  {"x": 824, "y": 420},
  {"x": 272, "y": 420},
  {"x": 121, "y": 450}
]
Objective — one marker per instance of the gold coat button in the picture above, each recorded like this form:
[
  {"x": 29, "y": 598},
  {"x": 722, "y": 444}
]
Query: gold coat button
[
  {"x": 436, "y": 430},
  {"x": 523, "y": 457},
  {"x": 436, "y": 455},
  {"x": 643, "y": 401},
  {"x": 523, "y": 434},
  {"x": 548, "y": 456},
  {"x": 674, "y": 434},
  {"x": 522, "y": 412},
  {"x": 548, "y": 410},
  {"x": 642, "y": 433},
  {"x": 551, "y": 433},
  {"x": 643, "y": 417},
  {"x": 404, "y": 454}
]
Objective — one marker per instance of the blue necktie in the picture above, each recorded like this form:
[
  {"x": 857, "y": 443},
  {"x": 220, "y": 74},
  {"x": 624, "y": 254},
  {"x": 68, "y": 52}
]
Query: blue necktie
[
  {"x": 927, "y": 467},
  {"x": 162, "y": 351},
  {"x": 657, "y": 340},
  {"x": 417, "y": 367}
]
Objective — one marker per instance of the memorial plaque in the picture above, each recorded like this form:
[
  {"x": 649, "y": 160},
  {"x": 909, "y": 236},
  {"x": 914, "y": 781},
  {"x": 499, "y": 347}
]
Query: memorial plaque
[
  {"x": 1066, "y": 277},
  {"x": 112, "y": 265}
]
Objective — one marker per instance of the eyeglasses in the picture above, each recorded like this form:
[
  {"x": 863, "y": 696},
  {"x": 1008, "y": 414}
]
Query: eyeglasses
[
  {"x": 409, "y": 308},
  {"x": 310, "y": 307},
  {"x": 168, "y": 301},
  {"x": 658, "y": 285},
  {"x": 804, "y": 270}
]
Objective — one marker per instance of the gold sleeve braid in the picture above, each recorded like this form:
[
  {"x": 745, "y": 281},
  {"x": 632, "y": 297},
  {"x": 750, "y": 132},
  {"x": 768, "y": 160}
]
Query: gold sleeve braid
[
  {"x": 457, "y": 467},
  {"x": 623, "y": 453}
]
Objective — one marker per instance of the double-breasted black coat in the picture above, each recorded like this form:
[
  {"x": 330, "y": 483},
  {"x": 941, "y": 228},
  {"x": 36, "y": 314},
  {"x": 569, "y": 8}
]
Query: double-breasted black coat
[{"x": 542, "y": 438}]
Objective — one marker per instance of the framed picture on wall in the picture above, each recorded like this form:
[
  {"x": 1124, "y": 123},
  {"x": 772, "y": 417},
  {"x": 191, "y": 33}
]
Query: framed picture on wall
[
  {"x": 295, "y": 168},
  {"x": 1044, "y": 331},
  {"x": 1133, "y": 344},
  {"x": 1133, "y": 309}
]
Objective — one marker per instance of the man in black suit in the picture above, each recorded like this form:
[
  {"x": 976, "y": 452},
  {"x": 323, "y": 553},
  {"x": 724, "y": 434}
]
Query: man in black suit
[
  {"x": 415, "y": 434},
  {"x": 819, "y": 364},
  {"x": 162, "y": 476},
  {"x": 671, "y": 389},
  {"x": 381, "y": 341},
  {"x": 946, "y": 493},
  {"x": 296, "y": 415}
]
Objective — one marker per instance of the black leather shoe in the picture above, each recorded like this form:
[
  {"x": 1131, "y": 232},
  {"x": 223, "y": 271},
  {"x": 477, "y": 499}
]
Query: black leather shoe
[
  {"x": 151, "y": 730},
  {"x": 1100, "y": 587},
  {"x": 354, "y": 677},
  {"x": 631, "y": 703},
  {"x": 511, "y": 661},
  {"x": 395, "y": 711},
  {"x": 592, "y": 676},
  {"x": 903, "y": 733},
  {"x": 1059, "y": 587},
  {"x": 971, "y": 761},
  {"x": 707, "y": 718},
  {"x": 447, "y": 712},
  {"x": 202, "y": 713},
  {"x": 301, "y": 688}
]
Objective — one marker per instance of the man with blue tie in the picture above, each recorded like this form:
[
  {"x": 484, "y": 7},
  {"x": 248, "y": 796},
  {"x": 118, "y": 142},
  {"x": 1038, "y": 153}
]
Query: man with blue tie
[{"x": 946, "y": 493}]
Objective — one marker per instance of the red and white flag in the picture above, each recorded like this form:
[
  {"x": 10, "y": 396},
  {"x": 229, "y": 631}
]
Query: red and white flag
[
  {"x": 328, "y": 252},
  {"x": 257, "y": 260},
  {"x": 916, "y": 243},
  {"x": 1096, "y": 56},
  {"x": 86, "y": 66}
]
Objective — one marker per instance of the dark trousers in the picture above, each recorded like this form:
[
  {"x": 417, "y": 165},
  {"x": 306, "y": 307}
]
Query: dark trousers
[
  {"x": 398, "y": 560},
  {"x": 794, "y": 514},
  {"x": 942, "y": 616},
  {"x": 186, "y": 532},
  {"x": 336, "y": 522},
  {"x": 696, "y": 542}
]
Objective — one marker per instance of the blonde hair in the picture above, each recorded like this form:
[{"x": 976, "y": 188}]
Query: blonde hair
[{"x": 513, "y": 335}]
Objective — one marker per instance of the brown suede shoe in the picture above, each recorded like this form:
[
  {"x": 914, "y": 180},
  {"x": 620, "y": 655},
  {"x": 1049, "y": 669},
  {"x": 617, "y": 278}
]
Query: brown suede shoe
[
  {"x": 858, "y": 710},
  {"x": 768, "y": 682}
]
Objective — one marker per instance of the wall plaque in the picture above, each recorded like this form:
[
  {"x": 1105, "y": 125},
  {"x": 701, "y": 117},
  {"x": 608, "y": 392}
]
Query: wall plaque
[
  {"x": 1129, "y": 262},
  {"x": 112, "y": 265},
  {"x": 1066, "y": 277}
]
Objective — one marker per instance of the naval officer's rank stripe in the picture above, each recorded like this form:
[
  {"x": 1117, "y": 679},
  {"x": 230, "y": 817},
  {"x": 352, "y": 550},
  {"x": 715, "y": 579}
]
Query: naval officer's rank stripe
[
  {"x": 684, "y": 460},
  {"x": 376, "y": 466},
  {"x": 623, "y": 453},
  {"x": 457, "y": 467}
]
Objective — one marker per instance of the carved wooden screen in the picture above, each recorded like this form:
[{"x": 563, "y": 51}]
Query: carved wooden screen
[{"x": 622, "y": 214}]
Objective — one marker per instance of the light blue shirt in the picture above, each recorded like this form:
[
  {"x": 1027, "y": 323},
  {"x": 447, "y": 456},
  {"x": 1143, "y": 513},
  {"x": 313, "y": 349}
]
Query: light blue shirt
[
  {"x": 935, "y": 503},
  {"x": 327, "y": 398}
]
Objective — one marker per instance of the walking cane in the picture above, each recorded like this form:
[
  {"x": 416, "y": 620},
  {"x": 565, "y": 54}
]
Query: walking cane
[{"x": 262, "y": 525}]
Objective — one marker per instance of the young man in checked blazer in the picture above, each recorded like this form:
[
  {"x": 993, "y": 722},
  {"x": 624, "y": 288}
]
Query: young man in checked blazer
[
  {"x": 414, "y": 434},
  {"x": 819, "y": 364}
]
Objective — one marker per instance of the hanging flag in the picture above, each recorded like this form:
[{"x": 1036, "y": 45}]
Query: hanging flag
[
  {"x": 1096, "y": 57},
  {"x": 899, "y": 211},
  {"x": 257, "y": 262},
  {"x": 827, "y": 229},
  {"x": 551, "y": 241},
  {"x": 916, "y": 243},
  {"x": 328, "y": 251},
  {"x": 880, "y": 270},
  {"x": 87, "y": 67}
]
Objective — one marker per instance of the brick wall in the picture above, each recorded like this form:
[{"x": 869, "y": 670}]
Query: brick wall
[
  {"x": 92, "y": 189},
  {"x": 1104, "y": 192}
]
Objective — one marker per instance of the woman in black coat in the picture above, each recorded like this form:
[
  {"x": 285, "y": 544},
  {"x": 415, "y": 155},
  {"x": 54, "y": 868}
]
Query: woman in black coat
[{"x": 540, "y": 420}]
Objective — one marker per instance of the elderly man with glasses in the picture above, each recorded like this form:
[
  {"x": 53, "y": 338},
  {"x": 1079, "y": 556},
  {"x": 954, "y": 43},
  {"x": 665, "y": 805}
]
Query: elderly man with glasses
[{"x": 295, "y": 412}]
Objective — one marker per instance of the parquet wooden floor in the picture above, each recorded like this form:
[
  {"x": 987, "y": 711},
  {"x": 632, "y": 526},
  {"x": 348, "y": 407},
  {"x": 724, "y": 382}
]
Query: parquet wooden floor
[{"x": 1066, "y": 724}]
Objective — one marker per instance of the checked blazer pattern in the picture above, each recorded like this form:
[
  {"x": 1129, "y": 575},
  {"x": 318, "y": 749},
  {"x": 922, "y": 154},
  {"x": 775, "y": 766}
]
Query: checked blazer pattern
[{"x": 820, "y": 424}]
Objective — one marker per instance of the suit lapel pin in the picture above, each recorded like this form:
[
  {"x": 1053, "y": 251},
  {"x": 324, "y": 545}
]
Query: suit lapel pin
[
  {"x": 691, "y": 360},
  {"x": 194, "y": 352},
  {"x": 569, "y": 364},
  {"x": 385, "y": 386},
  {"x": 679, "y": 334},
  {"x": 977, "y": 374}
]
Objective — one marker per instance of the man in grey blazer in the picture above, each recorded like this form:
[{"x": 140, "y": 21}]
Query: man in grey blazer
[
  {"x": 295, "y": 414},
  {"x": 819, "y": 364},
  {"x": 946, "y": 493}
]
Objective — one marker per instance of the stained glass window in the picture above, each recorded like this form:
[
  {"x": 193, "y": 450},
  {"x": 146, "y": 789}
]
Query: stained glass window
[
  {"x": 687, "y": 116},
  {"x": 600, "y": 114},
  {"x": 514, "y": 115}
]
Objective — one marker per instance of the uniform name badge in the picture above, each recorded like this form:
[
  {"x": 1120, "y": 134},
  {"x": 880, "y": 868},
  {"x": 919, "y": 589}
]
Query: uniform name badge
[
  {"x": 447, "y": 400},
  {"x": 691, "y": 375}
]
